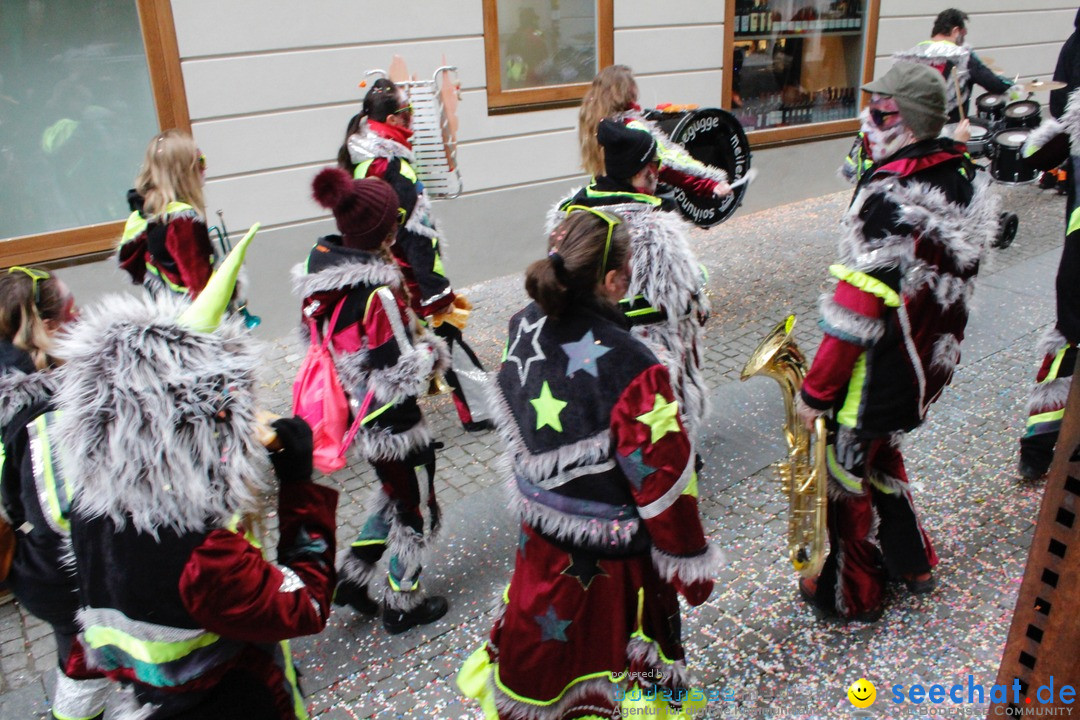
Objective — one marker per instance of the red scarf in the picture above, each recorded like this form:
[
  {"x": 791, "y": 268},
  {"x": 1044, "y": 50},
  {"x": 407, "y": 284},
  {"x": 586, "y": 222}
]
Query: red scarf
[{"x": 398, "y": 134}]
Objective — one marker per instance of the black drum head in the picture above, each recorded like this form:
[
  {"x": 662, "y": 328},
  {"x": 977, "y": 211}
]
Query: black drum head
[
  {"x": 991, "y": 100},
  {"x": 716, "y": 138}
]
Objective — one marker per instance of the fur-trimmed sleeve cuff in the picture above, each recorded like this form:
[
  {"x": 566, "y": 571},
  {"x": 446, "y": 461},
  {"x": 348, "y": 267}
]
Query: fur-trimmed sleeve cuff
[
  {"x": 846, "y": 324},
  {"x": 703, "y": 567},
  {"x": 409, "y": 377}
]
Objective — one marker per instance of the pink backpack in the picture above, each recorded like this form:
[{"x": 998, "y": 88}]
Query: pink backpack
[{"x": 319, "y": 398}]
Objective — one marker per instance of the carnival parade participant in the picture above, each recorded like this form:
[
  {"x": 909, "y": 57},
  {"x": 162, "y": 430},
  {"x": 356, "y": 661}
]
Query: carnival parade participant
[
  {"x": 158, "y": 421},
  {"x": 1051, "y": 144},
  {"x": 34, "y": 499},
  {"x": 666, "y": 304},
  {"x": 614, "y": 94},
  {"x": 165, "y": 245},
  {"x": 914, "y": 235},
  {"x": 601, "y": 470},
  {"x": 378, "y": 143},
  {"x": 958, "y": 64},
  {"x": 352, "y": 288}
]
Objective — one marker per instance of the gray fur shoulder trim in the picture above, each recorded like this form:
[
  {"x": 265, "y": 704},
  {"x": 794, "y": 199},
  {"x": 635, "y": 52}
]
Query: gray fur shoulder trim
[
  {"x": 1070, "y": 119},
  {"x": 1050, "y": 395},
  {"x": 367, "y": 145},
  {"x": 422, "y": 223},
  {"x": 848, "y": 325},
  {"x": 19, "y": 390},
  {"x": 1047, "y": 131},
  {"x": 697, "y": 568},
  {"x": 345, "y": 275},
  {"x": 374, "y": 444},
  {"x": 1052, "y": 342}
]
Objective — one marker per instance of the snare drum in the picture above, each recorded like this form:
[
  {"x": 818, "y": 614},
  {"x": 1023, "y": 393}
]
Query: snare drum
[
  {"x": 1008, "y": 165},
  {"x": 980, "y": 136},
  {"x": 991, "y": 107},
  {"x": 714, "y": 137},
  {"x": 1023, "y": 114}
]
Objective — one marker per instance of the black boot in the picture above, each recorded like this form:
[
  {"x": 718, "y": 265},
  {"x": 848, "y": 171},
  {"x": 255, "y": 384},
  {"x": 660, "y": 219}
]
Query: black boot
[
  {"x": 356, "y": 597},
  {"x": 398, "y": 621}
]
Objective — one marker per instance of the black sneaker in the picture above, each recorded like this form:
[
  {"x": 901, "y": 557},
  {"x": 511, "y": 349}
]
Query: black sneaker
[
  {"x": 478, "y": 426},
  {"x": 397, "y": 621},
  {"x": 1029, "y": 472},
  {"x": 355, "y": 597}
]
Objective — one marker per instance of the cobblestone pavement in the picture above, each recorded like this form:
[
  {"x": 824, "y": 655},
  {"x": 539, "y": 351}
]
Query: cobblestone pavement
[{"x": 753, "y": 637}]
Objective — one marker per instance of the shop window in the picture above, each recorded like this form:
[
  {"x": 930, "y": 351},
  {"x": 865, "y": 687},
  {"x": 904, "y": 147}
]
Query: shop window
[
  {"x": 77, "y": 106},
  {"x": 797, "y": 65},
  {"x": 543, "y": 53}
]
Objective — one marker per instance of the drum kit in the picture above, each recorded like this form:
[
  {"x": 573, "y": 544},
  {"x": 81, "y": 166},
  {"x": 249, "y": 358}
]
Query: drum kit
[{"x": 1000, "y": 128}]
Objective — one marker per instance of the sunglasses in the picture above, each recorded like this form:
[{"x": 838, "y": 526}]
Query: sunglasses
[
  {"x": 611, "y": 221},
  {"x": 402, "y": 216},
  {"x": 880, "y": 116},
  {"x": 200, "y": 161},
  {"x": 35, "y": 275},
  {"x": 404, "y": 109}
]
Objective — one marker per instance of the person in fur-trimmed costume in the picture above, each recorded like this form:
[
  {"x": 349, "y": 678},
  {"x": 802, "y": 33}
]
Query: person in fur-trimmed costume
[
  {"x": 34, "y": 499},
  {"x": 613, "y": 94},
  {"x": 917, "y": 228},
  {"x": 157, "y": 418},
  {"x": 958, "y": 64},
  {"x": 1055, "y": 142},
  {"x": 666, "y": 303},
  {"x": 601, "y": 471},
  {"x": 384, "y": 366},
  {"x": 378, "y": 143}
]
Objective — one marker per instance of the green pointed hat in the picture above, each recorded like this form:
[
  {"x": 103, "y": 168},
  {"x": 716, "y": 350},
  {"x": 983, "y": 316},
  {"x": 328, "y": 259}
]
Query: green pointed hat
[{"x": 204, "y": 314}]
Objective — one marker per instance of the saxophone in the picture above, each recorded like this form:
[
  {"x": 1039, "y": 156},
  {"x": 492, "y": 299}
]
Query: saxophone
[{"x": 803, "y": 476}]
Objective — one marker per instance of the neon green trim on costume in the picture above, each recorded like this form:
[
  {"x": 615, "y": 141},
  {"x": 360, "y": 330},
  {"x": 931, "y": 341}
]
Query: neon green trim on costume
[
  {"x": 557, "y": 698},
  {"x": 1074, "y": 222},
  {"x": 1055, "y": 367},
  {"x": 52, "y": 497},
  {"x": 882, "y": 487},
  {"x": 156, "y": 652},
  {"x": 640, "y": 197},
  {"x": 361, "y": 169},
  {"x": 849, "y": 413},
  {"x": 290, "y": 675},
  {"x": 173, "y": 286},
  {"x": 1046, "y": 417},
  {"x": 866, "y": 283},
  {"x": 472, "y": 680},
  {"x": 371, "y": 416},
  {"x": 691, "y": 487},
  {"x": 437, "y": 266},
  {"x": 134, "y": 226},
  {"x": 61, "y": 716},
  {"x": 407, "y": 170},
  {"x": 506, "y": 349},
  {"x": 506, "y": 595},
  {"x": 839, "y": 472},
  {"x": 365, "y": 543}
]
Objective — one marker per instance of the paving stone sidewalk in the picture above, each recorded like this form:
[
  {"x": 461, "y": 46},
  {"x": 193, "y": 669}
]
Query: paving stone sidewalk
[{"x": 753, "y": 637}]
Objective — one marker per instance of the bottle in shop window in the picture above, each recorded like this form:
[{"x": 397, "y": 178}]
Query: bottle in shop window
[{"x": 754, "y": 17}]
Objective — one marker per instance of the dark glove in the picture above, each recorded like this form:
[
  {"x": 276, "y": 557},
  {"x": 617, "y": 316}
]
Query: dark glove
[{"x": 292, "y": 463}]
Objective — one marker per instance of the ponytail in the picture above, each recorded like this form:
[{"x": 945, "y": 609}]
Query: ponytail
[{"x": 572, "y": 269}]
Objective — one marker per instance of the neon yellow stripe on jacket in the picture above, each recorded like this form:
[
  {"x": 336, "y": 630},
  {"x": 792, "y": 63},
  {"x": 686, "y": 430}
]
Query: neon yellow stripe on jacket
[
  {"x": 866, "y": 283},
  {"x": 156, "y": 652}
]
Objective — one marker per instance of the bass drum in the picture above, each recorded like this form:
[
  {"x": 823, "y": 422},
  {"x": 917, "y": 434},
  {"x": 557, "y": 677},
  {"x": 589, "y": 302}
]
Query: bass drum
[
  {"x": 714, "y": 137},
  {"x": 1007, "y": 165},
  {"x": 1023, "y": 114}
]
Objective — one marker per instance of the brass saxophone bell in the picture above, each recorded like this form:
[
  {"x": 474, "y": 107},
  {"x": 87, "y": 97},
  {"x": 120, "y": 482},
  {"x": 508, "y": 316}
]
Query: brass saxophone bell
[{"x": 438, "y": 386}]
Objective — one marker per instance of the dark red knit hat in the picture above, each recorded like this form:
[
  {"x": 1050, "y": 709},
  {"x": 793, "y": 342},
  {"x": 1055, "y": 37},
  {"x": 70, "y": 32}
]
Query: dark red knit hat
[{"x": 366, "y": 210}]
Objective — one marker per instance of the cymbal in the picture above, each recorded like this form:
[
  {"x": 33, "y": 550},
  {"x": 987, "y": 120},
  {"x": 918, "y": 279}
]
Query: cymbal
[{"x": 1038, "y": 85}]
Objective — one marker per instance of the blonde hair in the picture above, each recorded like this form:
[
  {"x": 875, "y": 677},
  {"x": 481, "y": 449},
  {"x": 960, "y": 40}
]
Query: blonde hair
[
  {"x": 613, "y": 90},
  {"x": 23, "y": 313},
  {"x": 170, "y": 173}
]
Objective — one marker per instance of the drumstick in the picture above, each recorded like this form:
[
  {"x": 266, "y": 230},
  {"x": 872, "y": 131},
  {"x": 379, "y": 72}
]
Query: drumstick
[
  {"x": 959, "y": 105},
  {"x": 745, "y": 179}
]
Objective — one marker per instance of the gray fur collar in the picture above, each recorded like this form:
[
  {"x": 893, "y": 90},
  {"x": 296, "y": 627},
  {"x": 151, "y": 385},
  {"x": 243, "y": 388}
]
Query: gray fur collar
[
  {"x": 1070, "y": 119},
  {"x": 19, "y": 391},
  {"x": 367, "y": 145},
  {"x": 344, "y": 275},
  {"x": 964, "y": 232},
  {"x": 139, "y": 397},
  {"x": 672, "y": 154}
]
